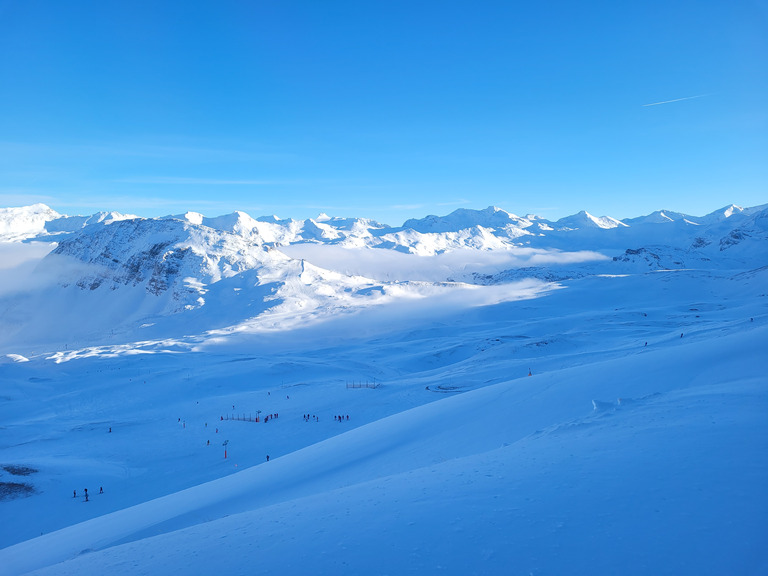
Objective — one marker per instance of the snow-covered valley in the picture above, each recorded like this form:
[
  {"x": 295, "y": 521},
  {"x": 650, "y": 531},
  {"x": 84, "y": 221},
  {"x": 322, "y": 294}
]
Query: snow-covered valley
[{"x": 523, "y": 396}]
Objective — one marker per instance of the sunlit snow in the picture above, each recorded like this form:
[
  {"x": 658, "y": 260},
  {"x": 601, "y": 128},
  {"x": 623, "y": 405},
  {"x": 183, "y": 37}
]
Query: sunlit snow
[{"x": 342, "y": 397}]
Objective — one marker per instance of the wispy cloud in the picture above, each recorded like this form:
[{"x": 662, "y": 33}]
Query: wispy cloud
[
  {"x": 675, "y": 100},
  {"x": 21, "y": 197},
  {"x": 144, "y": 150},
  {"x": 460, "y": 202},
  {"x": 203, "y": 181}
]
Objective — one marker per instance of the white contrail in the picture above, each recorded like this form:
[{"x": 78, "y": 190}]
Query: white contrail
[{"x": 676, "y": 100}]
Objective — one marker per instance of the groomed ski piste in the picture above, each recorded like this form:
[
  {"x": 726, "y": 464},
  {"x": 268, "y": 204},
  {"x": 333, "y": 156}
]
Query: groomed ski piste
[{"x": 609, "y": 420}]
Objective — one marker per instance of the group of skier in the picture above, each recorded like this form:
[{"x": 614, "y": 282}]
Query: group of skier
[{"x": 85, "y": 491}]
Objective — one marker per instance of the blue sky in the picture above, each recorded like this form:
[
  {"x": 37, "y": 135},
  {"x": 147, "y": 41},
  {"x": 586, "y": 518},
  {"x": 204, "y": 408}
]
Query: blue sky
[{"x": 387, "y": 110}]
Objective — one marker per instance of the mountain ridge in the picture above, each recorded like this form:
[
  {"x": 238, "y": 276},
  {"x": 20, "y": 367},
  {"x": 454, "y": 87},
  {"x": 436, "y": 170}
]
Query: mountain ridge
[
  {"x": 39, "y": 221},
  {"x": 146, "y": 270}
]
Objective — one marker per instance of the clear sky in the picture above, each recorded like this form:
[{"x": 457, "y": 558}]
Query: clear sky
[{"x": 388, "y": 110}]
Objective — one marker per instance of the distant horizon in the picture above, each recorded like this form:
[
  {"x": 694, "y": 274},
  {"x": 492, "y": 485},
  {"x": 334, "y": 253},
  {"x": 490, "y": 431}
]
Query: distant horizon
[{"x": 420, "y": 215}]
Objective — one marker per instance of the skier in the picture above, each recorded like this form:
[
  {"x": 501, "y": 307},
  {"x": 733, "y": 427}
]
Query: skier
[
  {"x": 74, "y": 493},
  {"x": 101, "y": 490},
  {"x": 267, "y": 457}
]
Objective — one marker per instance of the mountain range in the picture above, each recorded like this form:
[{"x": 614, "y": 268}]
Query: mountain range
[
  {"x": 242, "y": 268},
  {"x": 472, "y": 393},
  {"x": 39, "y": 222}
]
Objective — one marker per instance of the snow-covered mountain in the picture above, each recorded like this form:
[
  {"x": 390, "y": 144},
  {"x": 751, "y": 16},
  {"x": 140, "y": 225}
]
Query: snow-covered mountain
[
  {"x": 148, "y": 269},
  {"x": 161, "y": 255},
  {"x": 39, "y": 222},
  {"x": 657, "y": 217},
  {"x": 473, "y": 393},
  {"x": 20, "y": 223},
  {"x": 488, "y": 229},
  {"x": 461, "y": 219},
  {"x": 585, "y": 220}
]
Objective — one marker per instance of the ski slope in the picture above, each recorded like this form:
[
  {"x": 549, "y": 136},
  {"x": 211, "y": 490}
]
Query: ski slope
[{"x": 638, "y": 444}]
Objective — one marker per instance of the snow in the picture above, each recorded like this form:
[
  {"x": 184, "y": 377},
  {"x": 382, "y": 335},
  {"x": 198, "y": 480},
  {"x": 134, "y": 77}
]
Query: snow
[
  {"x": 585, "y": 220},
  {"x": 638, "y": 445},
  {"x": 193, "y": 217},
  {"x": 41, "y": 222},
  {"x": 658, "y": 217},
  {"x": 462, "y": 218},
  {"x": 22, "y": 222}
]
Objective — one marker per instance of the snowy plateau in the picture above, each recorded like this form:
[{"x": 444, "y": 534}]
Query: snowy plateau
[{"x": 475, "y": 393}]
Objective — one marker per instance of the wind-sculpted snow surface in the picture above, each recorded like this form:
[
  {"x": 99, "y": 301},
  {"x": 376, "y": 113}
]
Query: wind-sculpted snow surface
[{"x": 477, "y": 393}]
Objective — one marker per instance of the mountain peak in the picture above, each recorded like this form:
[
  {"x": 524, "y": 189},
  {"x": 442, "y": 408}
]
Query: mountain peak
[
  {"x": 193, "y": 217},
  {"x": 25, "y": 221},
  {"x": 657, "y": 217},
  {"x": 730, "y": 210},
  {"x": 463, "y": 218},
  {"x": 585, "y": 220}
]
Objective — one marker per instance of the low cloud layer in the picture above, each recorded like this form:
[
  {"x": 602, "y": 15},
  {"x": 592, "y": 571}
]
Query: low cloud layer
[
  {"x": 17, "y": 264},
  {"x": 388, "y": 265},
  {"x": 21, "y": 270}
]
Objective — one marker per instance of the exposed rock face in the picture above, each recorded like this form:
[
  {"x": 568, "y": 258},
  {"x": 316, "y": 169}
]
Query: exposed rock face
[{"x": 164, "y": 256}]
